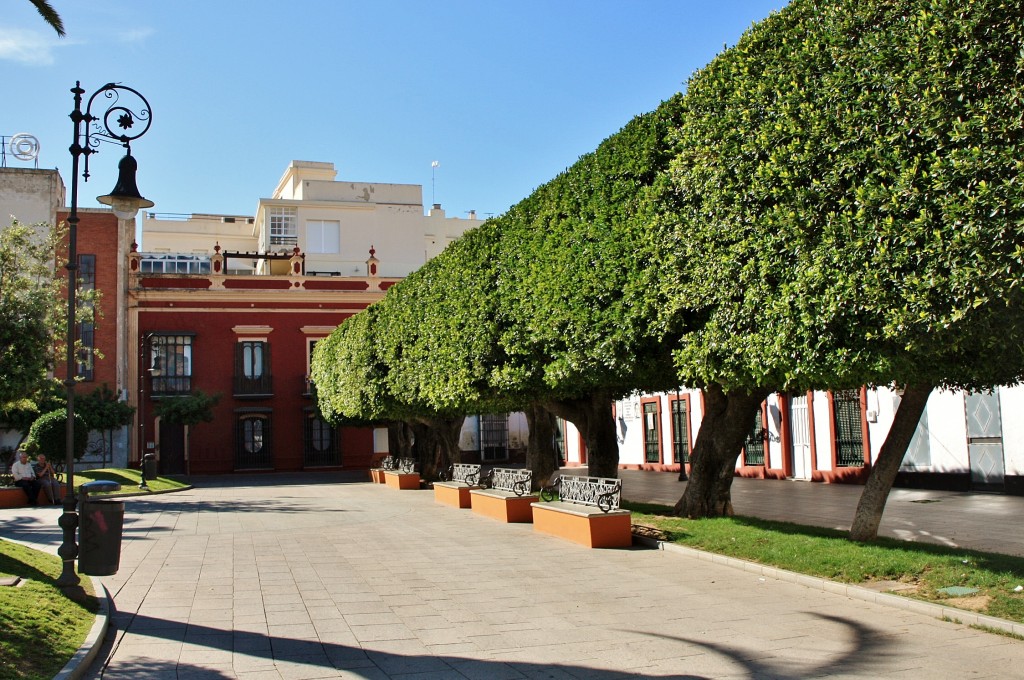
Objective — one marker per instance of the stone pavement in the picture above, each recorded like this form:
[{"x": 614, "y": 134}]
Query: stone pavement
[{"x": 326, "y": 577}]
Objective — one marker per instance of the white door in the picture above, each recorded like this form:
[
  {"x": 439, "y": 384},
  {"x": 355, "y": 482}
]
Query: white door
[{"x": 798, "y": 423}]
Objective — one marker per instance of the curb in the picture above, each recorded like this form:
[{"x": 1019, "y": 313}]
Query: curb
[
  {"x": 90, "y": 648},
  {"x": 141, "y": 494},
  {"x": 855, "y": 592}
]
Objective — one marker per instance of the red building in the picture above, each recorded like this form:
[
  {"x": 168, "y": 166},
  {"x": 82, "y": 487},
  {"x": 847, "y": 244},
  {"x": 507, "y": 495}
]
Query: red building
[{"x": 247, "y": 339}]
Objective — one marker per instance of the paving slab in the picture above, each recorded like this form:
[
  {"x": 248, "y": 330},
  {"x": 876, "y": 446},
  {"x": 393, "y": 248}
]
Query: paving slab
[{"x": 277, "y": 577}]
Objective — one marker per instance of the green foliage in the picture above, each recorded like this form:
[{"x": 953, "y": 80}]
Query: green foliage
[
  {"x": 103, "y": 409},
  {"x": 828, "y": 553},
  {"x": 48, "y": 435},
  {"x": 845, "y": 204},
  {"x": 43, "y": 625},
  {"x": 129, "y": 480},
  {"x": 30, "y": 301},
  {"x": 190, "y": 409}
]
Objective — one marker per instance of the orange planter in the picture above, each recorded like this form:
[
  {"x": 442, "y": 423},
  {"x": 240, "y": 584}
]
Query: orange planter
[
  {"x": 592, "y": 528},
  {"x": 502, "y": 506},
  {"x": 455, "y": 494},
  {"x": 402, "y": 480}
]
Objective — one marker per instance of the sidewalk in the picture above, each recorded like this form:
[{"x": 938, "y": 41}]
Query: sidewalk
[{"x": 271, "y": 577}]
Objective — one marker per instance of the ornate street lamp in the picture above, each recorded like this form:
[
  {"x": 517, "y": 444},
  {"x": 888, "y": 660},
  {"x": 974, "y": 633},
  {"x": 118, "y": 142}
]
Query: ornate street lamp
[{"x": 127, "y": 117}]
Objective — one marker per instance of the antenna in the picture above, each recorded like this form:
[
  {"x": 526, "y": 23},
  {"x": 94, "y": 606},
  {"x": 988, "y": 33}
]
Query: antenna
[{"x": 433, "y": 168}]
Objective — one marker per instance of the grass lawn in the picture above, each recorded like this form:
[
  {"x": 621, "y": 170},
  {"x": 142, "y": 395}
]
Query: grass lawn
[
  {"x": 41, "y": 626},
  {"x": 129, "y": 480},
  {"x": 916, "y": 570}
]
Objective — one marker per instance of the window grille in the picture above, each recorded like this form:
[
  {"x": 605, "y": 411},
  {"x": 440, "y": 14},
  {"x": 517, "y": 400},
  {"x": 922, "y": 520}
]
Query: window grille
[
  {"x": 560, "y": 440},
  {"x": 848, "y": 433},
  {"x": 320, "y": 447},
  {"x": 753, "y": 447},
  {"x": 253, "y": 442},
  {"x": 174, "y": 263},
  {"x": 170, "y": 363},
  {"x": 494, "y": 437},
  {"x": 680, "y": 432},
  {"x": 652, "y": 434}
]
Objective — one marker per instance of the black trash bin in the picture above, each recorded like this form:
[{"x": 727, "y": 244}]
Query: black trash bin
[
  {"x": 99, "y": 531},
  {"x": 149, "y": 467}
]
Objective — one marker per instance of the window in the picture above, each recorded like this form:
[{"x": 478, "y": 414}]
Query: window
[
  {"x": 252, "y": 441},
  {"x": 170, "y": 363},
  {"x": 283, "y": 230},
  {"x": 848, "y": 432},
  {"x": 753, "y": 447},
  {"x": 494, "y": 437},
  {"x": 323, "y": 236},
  {"x": 252, "y": 369},
  {"x": 560, "y": 440},
  {"x": 176, "y": 263},
  {"x": 680, "y": 431},
  {"x": 85, "y": 328},
  {"x": 652, "y": 432},
  {"x": 320, "y": 442}
]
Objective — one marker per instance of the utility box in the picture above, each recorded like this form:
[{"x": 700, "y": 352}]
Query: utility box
[{"x": 101, "y": 523}]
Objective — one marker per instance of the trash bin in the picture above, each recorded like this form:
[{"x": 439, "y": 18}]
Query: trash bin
[
  {"x": 99, "y": 531},
  {"x": 149, "y": 467}
]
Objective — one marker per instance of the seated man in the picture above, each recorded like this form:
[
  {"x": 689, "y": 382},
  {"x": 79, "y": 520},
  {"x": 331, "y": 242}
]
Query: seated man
[
  {"x": 25, "y": 477},
  {"x": 47, "y": 478}
]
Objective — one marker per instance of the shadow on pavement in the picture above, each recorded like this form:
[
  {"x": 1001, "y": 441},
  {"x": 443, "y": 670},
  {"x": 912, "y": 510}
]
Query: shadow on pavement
[{"x": 264, "y": 652}]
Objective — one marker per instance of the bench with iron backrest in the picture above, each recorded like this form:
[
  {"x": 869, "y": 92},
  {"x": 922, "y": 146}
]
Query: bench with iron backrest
[
  {"x": 505, "y": 495},
  {"x": 586, "y": 512},
  {"x": 377, "y": 473},
  {"x": 456, "y": 481},
  {"x": 14, "y": 496},
  {"x": 402, "y": 474}
]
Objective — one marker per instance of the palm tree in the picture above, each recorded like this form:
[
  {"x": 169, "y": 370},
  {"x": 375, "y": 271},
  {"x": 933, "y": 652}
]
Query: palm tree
[{"x": 50, "y": 15}]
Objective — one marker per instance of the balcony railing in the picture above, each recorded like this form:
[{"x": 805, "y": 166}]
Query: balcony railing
[{"x": 253, "y": 387}]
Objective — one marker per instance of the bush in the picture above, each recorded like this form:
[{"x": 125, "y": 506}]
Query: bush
[{"x": 48, "y": 435}]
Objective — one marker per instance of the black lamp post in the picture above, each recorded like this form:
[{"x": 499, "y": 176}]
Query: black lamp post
[{"x": 126, "y": 201}]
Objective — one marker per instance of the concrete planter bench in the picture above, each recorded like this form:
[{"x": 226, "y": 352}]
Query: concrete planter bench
[
  {"x": 403, "y": 475},
  {"x": 587, "y": 512},
  {"x": 506, "y": 496},
  {"x": 455, "y": 485},
  {"x": 377, "y": 473},
  {"x": 14, "y": 496}
]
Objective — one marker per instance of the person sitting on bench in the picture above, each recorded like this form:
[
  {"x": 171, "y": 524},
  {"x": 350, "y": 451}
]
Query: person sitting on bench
[
  {"x": 25, "y": 477},
  {"x": 47, "y": 478}
]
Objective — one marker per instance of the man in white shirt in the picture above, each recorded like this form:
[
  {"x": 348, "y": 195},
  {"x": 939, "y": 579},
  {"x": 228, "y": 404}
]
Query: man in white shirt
[{"x": 25, "y": 477}]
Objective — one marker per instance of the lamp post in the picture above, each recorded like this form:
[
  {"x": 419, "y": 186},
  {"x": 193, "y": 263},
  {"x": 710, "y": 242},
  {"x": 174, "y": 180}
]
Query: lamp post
[{"x": 125, "y": 108}]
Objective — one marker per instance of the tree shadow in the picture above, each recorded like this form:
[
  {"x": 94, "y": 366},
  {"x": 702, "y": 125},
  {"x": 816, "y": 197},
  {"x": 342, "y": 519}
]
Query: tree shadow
[
  {"x": 866, "y": 652},
  {"x": 268, "y": 652},
  {"x": 279, "y": 479}
]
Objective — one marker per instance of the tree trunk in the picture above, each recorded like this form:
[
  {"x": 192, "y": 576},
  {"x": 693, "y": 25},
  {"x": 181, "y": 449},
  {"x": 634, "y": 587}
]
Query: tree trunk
[
  {"x": 540, "y": 449},
  {"x": 887, "y": 465},
  {"x": 728, "y": 419},
  {"x": 437, "y": 444},
  {"x": 400, "y": 439},
  {"x": 592, "y": 416}
]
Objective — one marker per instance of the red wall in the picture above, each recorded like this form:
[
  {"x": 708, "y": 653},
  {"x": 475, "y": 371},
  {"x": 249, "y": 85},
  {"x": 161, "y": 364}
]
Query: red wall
[{"x": 212, "y": 445}]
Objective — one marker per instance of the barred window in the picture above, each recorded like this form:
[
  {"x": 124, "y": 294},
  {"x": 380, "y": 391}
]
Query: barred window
[
  {"x": 494, "y": 437},
  {"x": 753, "y": 447},
  {"x": 170, "y": 363},
  {"x": 652, "y": 433},
  {"x": 848, "y": 433},
  {"x": 680, "y": 431},
  {"x": 252, "y": 441}
]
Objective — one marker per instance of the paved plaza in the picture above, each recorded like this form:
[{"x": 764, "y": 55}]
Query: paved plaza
[{"x": 332, "y": 577}]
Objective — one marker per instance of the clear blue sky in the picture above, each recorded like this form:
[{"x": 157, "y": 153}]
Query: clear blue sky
[{"x": 503, "y": 94}]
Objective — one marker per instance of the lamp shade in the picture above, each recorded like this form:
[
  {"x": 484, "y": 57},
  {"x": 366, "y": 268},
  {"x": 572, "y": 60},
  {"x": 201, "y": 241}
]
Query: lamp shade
[{"x": 125, "y": 198}]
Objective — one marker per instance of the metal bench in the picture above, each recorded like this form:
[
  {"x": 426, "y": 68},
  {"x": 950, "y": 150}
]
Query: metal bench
[
  {"x": 455, "y": 484},
  {"x": 401, "y": 473},
  {"x": 505, "y": 495},
  {"x": 601, "y": 492},
  {"x": 586, "y": 512}
]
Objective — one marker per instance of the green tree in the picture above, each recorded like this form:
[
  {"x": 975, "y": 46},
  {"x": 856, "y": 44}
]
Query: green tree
[
  {"x": 845, "y": 208},
  {"x": 48, "y": 435},
  {"x": 30, "y": 299},
  {"x": 103, "y": 410}
]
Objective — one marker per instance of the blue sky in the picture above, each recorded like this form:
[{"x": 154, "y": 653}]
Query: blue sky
[{"x": 503, "y": 94}]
